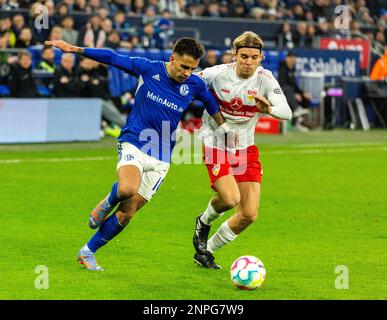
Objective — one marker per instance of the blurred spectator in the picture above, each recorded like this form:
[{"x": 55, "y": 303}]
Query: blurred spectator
[
  {"x": 154, "y": 4},
  {"x": 382, "y": 27},
  {"x": 237, "y": 10},
  {"x": 364, "y": 17},
  {"x": 383, "y": 15},
  {"x": 379, "y": 37},
  {"x": 355, "y": 30},
  {"x": 227, "y": 57},
  {"x": 69, "y": 34},
  {"x": 89, "y": 84},
  {"x": 103, "y": 13},
  {"x": 135, "y": 41},
  {"x": 149, "y": 15},
  {"x": 195, "y": 9},
  {"x": 18, "y": 23},
  {"x": 164, "y": 30},
  {"x": 299, "y": 101},
  {"x": 70, "y": 5},
  {"x": 80, "y": 5},
  {"x": 107, "y": 26},
  {"x": 56, "y": 33},
  {"x": 93, "y": 6},
  {"x": 323, "y": 29},
  {"x": 8, "y": 5},
  {"x": 309, "y": 15},
  {"x": 47, "y": 62},
  {"x": 21, "y": 81},
  {"x": 301, "y": 37},
  {"x": 120, "y": 5},
  {"x": 379, "y": 70},
  {"x": 175, "y": 7},
  {"x": 62, "y": 11},
  {"x": 286, "y": 37},
  {"x": 121, "y": 25},
  {"x": 47, "y": 65},
  {"x": 257, "y": 13},
  {"x": 298, "y": 13},
  {"x": 212, "y": 10},
  {"x": 320, "y": 9},
  {"x": 25, "y": 39},
  {"x": 65, "y": 80},
  {"x": 6, "y": 58},
  {"x": 209, "y": 60},
  {"x": 138, "y": 7},
  {"x": 311, "y": 32},
  {"x": 147, "y": 36},
  {"x": 223, "y": 9},
  {"x": 305, "y": 4},
  {"x": 113, "y": 40},
  {"x": 92, "y": 34},
  {"x": 6, "y": 28}
]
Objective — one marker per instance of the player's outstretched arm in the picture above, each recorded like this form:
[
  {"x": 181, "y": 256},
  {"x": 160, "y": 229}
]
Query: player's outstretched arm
[
  {"x": 100, "y": 55},
  {"x": 64, "y": 46}
]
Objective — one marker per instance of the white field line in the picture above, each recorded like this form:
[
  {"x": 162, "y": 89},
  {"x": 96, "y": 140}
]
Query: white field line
[
  {"x": 319, "y": 151},
  {"x": 199, "y": 154},
  {"x": 68, "y": 159},
  {"x": 338, "y": 144},
  {"x": 322, "y": 151}
]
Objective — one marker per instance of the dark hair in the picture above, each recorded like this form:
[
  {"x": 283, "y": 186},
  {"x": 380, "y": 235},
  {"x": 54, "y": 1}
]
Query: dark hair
[
  {"x": 190, "y": 47},
  {"x": 23, "y": 53},
  {"x": 47, "y": 48},
  {"x": 290, "y": 53}
]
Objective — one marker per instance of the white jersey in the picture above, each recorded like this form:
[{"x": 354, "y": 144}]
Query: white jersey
[{"x": 236, "y": 101}]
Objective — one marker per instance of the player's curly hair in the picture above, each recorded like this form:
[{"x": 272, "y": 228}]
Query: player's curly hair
[
  {"x": 247, "y": 39},
  {"x": 190, "y": 47}
]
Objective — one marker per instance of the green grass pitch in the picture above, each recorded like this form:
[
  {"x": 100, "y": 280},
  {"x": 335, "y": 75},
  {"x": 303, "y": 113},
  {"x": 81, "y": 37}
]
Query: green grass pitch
[{"x": 323, "y": 205}]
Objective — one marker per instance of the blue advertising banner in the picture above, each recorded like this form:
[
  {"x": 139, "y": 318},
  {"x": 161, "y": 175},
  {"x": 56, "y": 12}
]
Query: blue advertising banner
[{"x": 333, "y": 63}]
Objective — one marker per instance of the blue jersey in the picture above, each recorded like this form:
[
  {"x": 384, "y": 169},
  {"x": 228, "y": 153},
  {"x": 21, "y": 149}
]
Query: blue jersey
[{"x": 159, "y": 102}]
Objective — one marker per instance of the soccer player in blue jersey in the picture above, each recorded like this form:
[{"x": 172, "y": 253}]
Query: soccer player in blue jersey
[{"x": 165, "y": 89}]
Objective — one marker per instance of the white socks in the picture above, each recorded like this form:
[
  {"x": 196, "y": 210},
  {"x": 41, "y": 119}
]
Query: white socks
[
  {"x": 210, "y": 215},
  {"x": 221, "y": 237}
]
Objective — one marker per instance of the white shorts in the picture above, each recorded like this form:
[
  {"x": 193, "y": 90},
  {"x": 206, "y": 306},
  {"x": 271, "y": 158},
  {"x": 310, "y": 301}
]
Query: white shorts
[{"x": 153, "y": 171}]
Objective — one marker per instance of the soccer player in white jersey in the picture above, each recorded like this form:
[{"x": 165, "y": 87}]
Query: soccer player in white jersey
[{"x": 244, "y": 91}]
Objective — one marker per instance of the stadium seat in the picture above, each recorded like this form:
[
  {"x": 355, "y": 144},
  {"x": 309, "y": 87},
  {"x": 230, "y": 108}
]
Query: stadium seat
[
  {"x": 36, "y": 54},
  {"x": 44, "y": 91},
  {"x": 4, "y": 90},
  {"x": 57, "y": 56},
  {"x": 120, "y": 82},
  {"x": 165, "y": 54},
  {"x": 154, "y": 54}
]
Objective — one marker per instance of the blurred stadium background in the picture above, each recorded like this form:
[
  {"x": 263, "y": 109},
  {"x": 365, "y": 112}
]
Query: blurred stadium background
[{"x": 327, "y": 171}]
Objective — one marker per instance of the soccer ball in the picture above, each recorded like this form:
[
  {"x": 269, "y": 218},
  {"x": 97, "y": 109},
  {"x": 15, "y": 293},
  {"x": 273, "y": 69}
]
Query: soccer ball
[{"x": 247, "y": 273}]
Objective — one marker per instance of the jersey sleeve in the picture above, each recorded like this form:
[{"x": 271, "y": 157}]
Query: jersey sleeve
[
  {"x": 279, "y": 104},
  {"x": 209, "y": 74},
  {"x": 133, "y": 65},
  {"x": 204, "y": 95}
]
